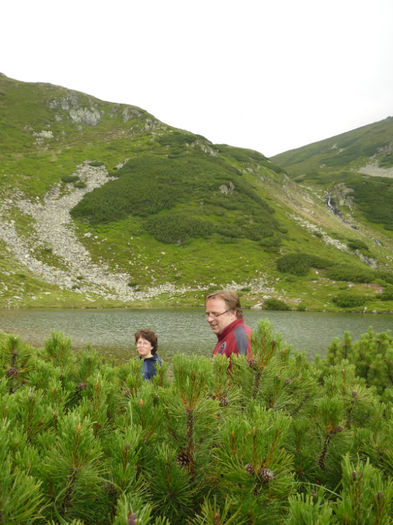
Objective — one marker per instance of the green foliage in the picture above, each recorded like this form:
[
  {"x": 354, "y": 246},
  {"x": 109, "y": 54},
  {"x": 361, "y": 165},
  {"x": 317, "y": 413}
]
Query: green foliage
[
  {"x": 191, "y": 184},
  {"x": 361, "y": 143},
  {"x": 242, "y": 154},
  {"x": 345, "y": 272},
  {"x": 375, "y": 199},
  {"x": 274, "y": 440},
  {"x": 386, "y": 295},
  {"x": 366, "y": 495},
  {"x": 310, "y": 508},
  {"x": 271, "y": 243},
  {"x": 175, "y": 228},
  {"x": 73, "y": 470},
  {"x": 96, "y": 163},
  {"x": 80, "y": 184},
  {"x": 300, "y": 263},
  {"x": 357, "y": 244},
  {"x": 385, "y": 276},
  {"x": 372, "y": 356},
  {"x": 70, "y": 178},
  {"x": 275, "y": 304},
  {"x": 301, "y": 307},
  {"x": 349, "y": 300},
  {"x": 386, "y": 161},
  {"x": 22, "y": 497}
]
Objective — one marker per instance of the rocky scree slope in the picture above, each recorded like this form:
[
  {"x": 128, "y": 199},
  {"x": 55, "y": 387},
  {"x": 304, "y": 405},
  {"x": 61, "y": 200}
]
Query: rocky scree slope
[{"x": 53, "y": 230}]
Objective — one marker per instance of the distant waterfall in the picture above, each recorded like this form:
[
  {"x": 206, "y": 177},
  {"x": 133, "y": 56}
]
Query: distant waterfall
[{"x": 332, "y": 208}]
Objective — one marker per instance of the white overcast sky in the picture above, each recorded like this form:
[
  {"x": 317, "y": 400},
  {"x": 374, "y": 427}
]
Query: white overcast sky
[{"x": 269, "y": 75}]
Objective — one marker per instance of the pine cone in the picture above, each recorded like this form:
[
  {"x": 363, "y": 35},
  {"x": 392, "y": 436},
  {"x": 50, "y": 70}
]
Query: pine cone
[
  {"x": 224, "y": 401},
  {"x": 82, "y": 386},
  {"x": 132, "y": 519},
  {"x": 265, "y": 475},
  {"x": 12, "y": 372},
  {"x": 183, "y": 458},
  {"x": 252, "y": 364},
  {"x": 250, "y": 469}
]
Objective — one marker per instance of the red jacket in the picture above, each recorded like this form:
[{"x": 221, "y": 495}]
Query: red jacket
[{"x": 234, "y": 339}]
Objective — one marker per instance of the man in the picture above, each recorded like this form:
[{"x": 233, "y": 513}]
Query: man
[{"x": 225, "y": 317}]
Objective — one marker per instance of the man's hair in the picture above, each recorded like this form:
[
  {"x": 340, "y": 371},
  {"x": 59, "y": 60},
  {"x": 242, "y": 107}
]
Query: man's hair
[
  {"x": 150, "y": 336},
  {"x": 231, "y": 299}
]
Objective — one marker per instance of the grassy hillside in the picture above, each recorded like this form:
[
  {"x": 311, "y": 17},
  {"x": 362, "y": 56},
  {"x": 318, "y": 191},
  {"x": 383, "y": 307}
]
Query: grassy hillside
[
  {"x": 355, "y": 167},
  {"x": 104, "y": 205}
]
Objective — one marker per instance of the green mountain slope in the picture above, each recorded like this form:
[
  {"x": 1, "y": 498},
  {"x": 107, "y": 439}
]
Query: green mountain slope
[
  {"x": 356, "y": 168},
  {"x": 101, "y": 204}
]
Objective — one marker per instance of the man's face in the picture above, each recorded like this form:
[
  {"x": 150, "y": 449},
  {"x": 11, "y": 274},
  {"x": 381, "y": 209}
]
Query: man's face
[{"x": 217, "y": 315}]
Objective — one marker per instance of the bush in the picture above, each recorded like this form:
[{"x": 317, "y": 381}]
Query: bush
[
  {"x": 300, "y": 263},
  {"x": 176, "y": 228},
  {"x": 301, "y": 307},
  {"x": 355, "y": 274},
  {"x": 148, "y": 185},
  {"x": 80, "y": 184},
  {"x": 271, "y": 244},
  {"x": 386, "y": 295},
  {"x": 348, "y": 300},
  {"x": 85, "y": 441},
  {"x": 275, "y": 304},
  {"x": 69, "y": 178},
  {"x": 356, "y": 244},
  {"x": 374, "y": 197},
  {"x": 387, "y": 277},
  {"x": 371, "y": 356}
]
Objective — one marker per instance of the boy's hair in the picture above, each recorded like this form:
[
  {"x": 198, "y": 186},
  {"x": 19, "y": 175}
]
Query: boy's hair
[
  {"x": 231, "y": 299},
  {"x": 150, "y": 336}
]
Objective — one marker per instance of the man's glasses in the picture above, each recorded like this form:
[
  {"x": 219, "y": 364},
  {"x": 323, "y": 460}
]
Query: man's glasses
[{"x": 212, "y": 314}]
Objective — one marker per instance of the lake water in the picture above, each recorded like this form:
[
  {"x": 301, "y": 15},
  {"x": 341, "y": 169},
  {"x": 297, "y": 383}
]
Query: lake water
[{"x": 181, "y": 330}]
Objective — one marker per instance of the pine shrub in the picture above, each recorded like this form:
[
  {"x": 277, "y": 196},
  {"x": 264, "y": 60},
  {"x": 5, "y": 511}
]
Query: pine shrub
[
  {"x": 345, "y": 272},
  {"x": 275, "y": 304},
  {"x": 300, "y": 263},
  {"x": 276, "y": 439},
  {"x": 349, "y": 300}
]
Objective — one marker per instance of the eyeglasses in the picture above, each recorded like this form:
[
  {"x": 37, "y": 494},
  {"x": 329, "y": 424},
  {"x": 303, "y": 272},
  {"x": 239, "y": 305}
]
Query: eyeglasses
[{"x": 212, "y": 314}]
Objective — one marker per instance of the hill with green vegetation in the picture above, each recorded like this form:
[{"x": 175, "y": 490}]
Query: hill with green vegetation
[
  {"x": 101, "y": 204},
  {"x": 355, "y": 168}
]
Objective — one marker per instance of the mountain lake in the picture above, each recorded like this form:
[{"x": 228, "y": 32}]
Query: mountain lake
[{"x": 111, "y": 331}]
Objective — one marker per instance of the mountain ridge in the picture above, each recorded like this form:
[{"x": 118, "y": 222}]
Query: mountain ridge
[{"x": 175, "y": 215}]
